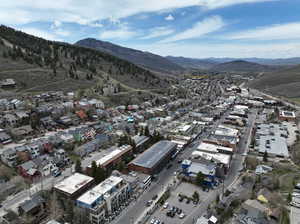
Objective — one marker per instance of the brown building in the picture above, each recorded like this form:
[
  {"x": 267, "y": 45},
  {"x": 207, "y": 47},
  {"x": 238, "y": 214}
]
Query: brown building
[{"x": 74, "y": 186}]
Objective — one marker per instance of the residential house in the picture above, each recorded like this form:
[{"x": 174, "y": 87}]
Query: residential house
[
  {"x": 4, "y": 137},
  {"x": 34, "y": 209},
  {"x": 10, "y": 120},
  {"x": 29, "y": 170},
  {"x": 9, "y": 157}
]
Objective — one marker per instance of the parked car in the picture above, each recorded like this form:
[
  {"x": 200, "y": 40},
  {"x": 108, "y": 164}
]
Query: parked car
[
  {"x": 182, "y": 215},
  {"x": 149, "y": 203},
  {"x": 166, "y": 205},
  {"x": 56, "y": 173}
]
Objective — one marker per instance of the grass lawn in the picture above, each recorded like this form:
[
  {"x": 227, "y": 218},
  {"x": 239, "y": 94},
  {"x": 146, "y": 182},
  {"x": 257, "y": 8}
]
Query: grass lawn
[{"x": 296, "y": 100}]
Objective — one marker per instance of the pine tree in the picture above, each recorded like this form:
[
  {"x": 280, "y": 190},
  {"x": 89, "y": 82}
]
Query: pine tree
[
  {"x": 265, "y": 156},
  {"x": 78, "y": 168}
]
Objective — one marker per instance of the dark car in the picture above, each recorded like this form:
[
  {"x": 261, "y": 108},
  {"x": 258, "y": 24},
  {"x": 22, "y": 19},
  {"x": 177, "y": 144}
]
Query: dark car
[
  {"x": 169, "y": 166},
  {"x": 154, "y": 197},
  {"x": 56, "y": 173},
  {"x": 179, "y": 211}
]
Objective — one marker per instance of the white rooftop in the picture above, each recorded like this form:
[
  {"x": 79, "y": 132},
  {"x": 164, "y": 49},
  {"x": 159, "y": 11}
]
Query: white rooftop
[
  {"x": 101, "y": 189},
  {"x": 213, "y": 148},
  {"x": 226, "y": 131},
  {"x": 73, "y": 183},
  {"x": 217, "y": 157}
]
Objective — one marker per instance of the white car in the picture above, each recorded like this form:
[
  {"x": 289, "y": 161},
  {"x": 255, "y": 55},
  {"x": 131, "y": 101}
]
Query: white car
[
  {"x": 152, "y": 221},
  {"x": 166, "y": 205},
  {"x": 182, "y": 215}
]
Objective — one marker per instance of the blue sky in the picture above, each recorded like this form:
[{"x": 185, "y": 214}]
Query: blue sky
[{"x": 190, "y": 28}]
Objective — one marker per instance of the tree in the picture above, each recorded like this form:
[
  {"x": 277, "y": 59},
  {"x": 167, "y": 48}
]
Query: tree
[
  {"x": 196, "y": 196},
  {"x": 100, "y": 175},
  {"x": 94, "y": 169},
  {"x": 200, "y": 178},
  {"x": 265, "y": 156},
  {"x": 78, "y": 168},
  {"x": 289, "y": 197},
  {"x": 147, "y": 132}
]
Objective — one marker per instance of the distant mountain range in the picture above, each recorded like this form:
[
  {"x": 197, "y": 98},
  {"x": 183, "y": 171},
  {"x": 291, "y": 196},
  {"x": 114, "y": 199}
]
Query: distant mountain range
[
  {"x": 142, "y": 58},
  {"x": 210, "y": 63}
]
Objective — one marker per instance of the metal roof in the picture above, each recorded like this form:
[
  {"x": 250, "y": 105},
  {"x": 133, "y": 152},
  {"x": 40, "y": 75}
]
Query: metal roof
[{"x": 154, "y": 154}]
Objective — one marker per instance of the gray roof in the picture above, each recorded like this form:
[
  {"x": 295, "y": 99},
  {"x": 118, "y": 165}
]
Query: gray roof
[
  {"x": 35, "y": 201},
  {"x": 139, "y": 140},
  {"x": 154, "y": 154},
  {"x": 274, "y": 145}
]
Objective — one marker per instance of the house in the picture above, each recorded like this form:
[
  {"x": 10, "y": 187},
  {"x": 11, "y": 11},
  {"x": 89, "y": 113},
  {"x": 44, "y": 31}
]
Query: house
[
  {"x": 23, "y": 117},
  {"x": 34, "y": 150},
  {"x": 22, "y": 131},
  {"x": 253, "y": 211},
  {"x": 23, "y": 153},
  {"x": 10, "y": 120},
  {"x": 262, "y": 169},
  {"x": 45, "y": 165},
  {"x": 7, "y": 83},
  {"x": 48, "y": 122},
  {"x": 4, "y": 137},
  {"x": 9, "y": 157},
  {"x": 29, "y": 170},
  {"x": 141, "y": 142},
  {"x": 34, "y": 209}
]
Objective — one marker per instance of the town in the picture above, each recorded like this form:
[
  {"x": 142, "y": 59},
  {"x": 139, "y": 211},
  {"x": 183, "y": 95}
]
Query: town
[{"x": 210, "y": 150}]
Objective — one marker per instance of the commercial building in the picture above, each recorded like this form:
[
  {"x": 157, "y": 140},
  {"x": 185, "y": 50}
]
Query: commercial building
[
  {"x": 155, "y": 158},
  {"x": 73, "y": 186},
  {"x": 105, "y": 199},
  {"x": 113, "y": 158},
  {"x": 271, "y": 138},
  {"x": 287, "y": 116}
]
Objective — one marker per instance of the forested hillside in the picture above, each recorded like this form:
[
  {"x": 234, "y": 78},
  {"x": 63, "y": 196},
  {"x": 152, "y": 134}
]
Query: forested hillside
[{"x": 37, "y": 64}]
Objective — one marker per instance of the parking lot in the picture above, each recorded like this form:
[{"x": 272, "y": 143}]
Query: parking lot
[{"x": 183, "y": 206}]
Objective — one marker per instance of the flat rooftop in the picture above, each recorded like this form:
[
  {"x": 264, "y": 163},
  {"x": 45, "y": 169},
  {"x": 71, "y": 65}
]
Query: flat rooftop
[
  {"x": 154, "y": 154},
  {"x": 100, "y": 190},
  {"x": 213, "y": 148},
  {"x": 275, "y": 145},
  {"x": 73, "y": 183},
  {"x": 112, "y": 155},
  {"x": 216, "y": 157},
  {"x": 226, "y": 131}
]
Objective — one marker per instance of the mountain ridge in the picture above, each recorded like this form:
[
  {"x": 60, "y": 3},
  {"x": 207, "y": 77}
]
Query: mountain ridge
[{"x": 138, "y": 57}]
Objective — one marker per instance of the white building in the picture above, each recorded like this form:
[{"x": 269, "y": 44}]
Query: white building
[{"x": 105, "y": 199}]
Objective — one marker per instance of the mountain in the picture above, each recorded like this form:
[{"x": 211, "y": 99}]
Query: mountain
[
  {"x": 192, "y": 62},
  {"x": 263, "y": 61},
  {"x": 242, "y": 66},
  {"x": 41, "y": 65},
  {"x": 145, "y": 59},
  {"x": 283, "y": 82}
]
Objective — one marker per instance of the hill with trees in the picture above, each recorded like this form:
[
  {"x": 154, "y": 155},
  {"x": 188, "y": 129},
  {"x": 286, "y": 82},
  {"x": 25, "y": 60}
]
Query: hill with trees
[
  {"x": 142, "y": 58},
  {"x": 40, "y": 65}
]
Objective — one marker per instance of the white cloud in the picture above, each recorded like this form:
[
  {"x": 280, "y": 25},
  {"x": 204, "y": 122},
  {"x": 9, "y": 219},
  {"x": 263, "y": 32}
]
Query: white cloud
[
  {"x": 158, "y": 32},
  {"x": 122, "y": 33},
  {"x": 40, "y": 33},
  {"x": 200, "y": 29},
  {"x": 274, "y": 32},
  {"x": 193, "y": 50},
  {"x": 84, "y": 12},
  {"x": 169, "y": 17},
  {"x": 63, "y": 33}
]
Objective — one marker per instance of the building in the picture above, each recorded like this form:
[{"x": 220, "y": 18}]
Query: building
[
  {"x": 212, "y": 148},
  {"x": 74, "y": 186},
  {"x": 287, "y": 116},
  {"x": 113, "y": 158},
  {"x": 9, "y": 157},
  {"x": 141, "y": 142},
  {"x": 155, "y": 158},
  {"x": 105, "y": 199},
  {"x": 271, "y": 138},
  {"x": 7, "y": 83},
  {"x": 4, "y": 137}
]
